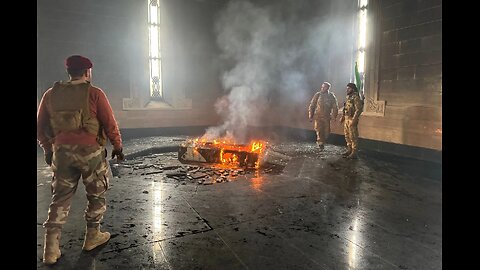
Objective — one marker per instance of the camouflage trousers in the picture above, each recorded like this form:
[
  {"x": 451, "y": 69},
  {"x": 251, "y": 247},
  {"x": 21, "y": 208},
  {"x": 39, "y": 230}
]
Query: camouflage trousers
[
  {"x": 351, "y": 133},
  {"x": 70, "y": 162},
  {"x": 322, "y": 128}
]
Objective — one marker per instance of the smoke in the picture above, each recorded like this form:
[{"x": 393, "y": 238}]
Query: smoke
[{"x": 269, "y": 50}]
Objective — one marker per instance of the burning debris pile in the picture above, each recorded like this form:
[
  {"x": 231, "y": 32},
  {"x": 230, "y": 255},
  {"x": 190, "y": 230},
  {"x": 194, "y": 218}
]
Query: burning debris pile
[
  {"x": 226, "y": 163},
  {"x": 229, "y": 154}
]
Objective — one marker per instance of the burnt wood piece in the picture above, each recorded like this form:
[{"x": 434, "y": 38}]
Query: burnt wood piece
[{"x": 212, "y": 155}]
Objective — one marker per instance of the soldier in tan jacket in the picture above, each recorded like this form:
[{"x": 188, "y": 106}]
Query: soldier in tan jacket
[{"x": 323, "y": 108}]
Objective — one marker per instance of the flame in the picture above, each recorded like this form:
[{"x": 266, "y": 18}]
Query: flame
[
  {"x": 228, "y": 157},
  {"x": 257, "y": 146}
]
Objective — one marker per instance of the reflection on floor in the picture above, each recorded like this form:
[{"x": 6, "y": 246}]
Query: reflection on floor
[{"x": 319, "y": 212}]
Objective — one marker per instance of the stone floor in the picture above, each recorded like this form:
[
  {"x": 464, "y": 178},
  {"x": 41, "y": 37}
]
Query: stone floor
[{"x": 320, "y": 212}]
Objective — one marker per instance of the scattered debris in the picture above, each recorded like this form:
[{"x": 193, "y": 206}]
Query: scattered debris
[
  {"x": 166, "y": 166},
  {"x": 155, "y": 172}
]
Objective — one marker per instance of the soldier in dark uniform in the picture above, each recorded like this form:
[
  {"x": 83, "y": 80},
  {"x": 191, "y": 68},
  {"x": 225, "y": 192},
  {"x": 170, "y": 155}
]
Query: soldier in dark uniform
[
  {"x": 323, "y": 108},
  {"x": 74, "y": 121},
  {"x": 351, "y": 113}
]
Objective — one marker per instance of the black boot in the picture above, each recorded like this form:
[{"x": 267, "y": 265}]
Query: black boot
[
  {"x": 347, "y": 153},
  {"x": 353, "y": 154}
]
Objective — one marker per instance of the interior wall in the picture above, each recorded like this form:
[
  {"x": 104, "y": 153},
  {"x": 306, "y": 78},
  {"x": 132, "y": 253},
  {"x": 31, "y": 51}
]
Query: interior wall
[
  {"x": 95, "y": 29},
  {"x": 114, "y": 34},
  {"x": 409, "y": 74},
  {"x": 409, "y": 45}
]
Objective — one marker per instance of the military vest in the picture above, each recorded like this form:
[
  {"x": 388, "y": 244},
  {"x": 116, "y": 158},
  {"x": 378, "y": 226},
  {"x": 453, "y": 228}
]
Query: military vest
[
  {"x": 352, "y": 103},
  {"x": 69, "y": 110}
]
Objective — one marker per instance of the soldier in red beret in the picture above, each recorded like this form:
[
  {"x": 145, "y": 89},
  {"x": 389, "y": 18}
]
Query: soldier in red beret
[
  {"x": 74, "y": 120},
  {"x": 78, "y": 62}
]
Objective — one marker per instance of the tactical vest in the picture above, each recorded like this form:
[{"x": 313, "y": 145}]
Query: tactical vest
[
  {"x": 350, "y": 107},
  {"x": 69, "y": 110}
]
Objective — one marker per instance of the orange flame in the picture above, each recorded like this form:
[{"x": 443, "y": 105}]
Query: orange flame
[{"x": 227, "y": 158}]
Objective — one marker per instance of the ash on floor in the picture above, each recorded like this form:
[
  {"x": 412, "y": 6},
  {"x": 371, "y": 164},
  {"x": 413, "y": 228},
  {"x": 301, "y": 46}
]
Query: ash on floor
[{"x": 167, "y": 168}]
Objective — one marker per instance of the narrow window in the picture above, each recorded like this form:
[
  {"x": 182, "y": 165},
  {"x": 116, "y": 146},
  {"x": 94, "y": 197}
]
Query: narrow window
[
  {"x": 362, "y": 38},
  {"x": 155, "y": 56}
]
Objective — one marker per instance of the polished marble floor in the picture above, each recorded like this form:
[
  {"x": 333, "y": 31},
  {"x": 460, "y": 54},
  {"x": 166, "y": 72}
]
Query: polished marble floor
[{"x": 320, "y": 212}]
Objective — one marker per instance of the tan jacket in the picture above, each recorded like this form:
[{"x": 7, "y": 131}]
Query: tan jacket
[{"x": 323, "y": 105}]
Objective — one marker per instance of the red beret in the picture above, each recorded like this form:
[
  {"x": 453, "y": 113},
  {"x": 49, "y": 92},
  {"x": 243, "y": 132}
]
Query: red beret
[{"x": 78, "y": 62}]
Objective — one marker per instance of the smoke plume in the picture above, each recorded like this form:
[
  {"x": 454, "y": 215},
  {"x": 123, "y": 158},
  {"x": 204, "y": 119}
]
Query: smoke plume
[{"x": 275, "y": 49}]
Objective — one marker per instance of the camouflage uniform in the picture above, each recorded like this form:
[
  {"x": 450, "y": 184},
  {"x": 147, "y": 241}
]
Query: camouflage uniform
[
  {"x": 68, "y": 106},
  {"x": 322, "y": 106},
  {"x": 74, "y": 120},
  {"x": 352, "y": 110},
  {"x": 68, "y": 164}
]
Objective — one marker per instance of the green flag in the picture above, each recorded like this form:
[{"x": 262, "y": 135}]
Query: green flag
[{"x": 358, "y": 80}]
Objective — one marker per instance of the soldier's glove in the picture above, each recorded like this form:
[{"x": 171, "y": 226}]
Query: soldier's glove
[
  {"x": 48, "y": 158},
  {"x": 118, "y": 153}
]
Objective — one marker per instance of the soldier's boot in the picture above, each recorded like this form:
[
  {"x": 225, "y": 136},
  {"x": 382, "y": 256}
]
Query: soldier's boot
[
  {"x": 94, "y": 238},
  {"x": 321, "y": 147},
  {"x": 353, "y": 154},
  {"x": 51, "y": 249},
  {"x": 348, "y": 152}
]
